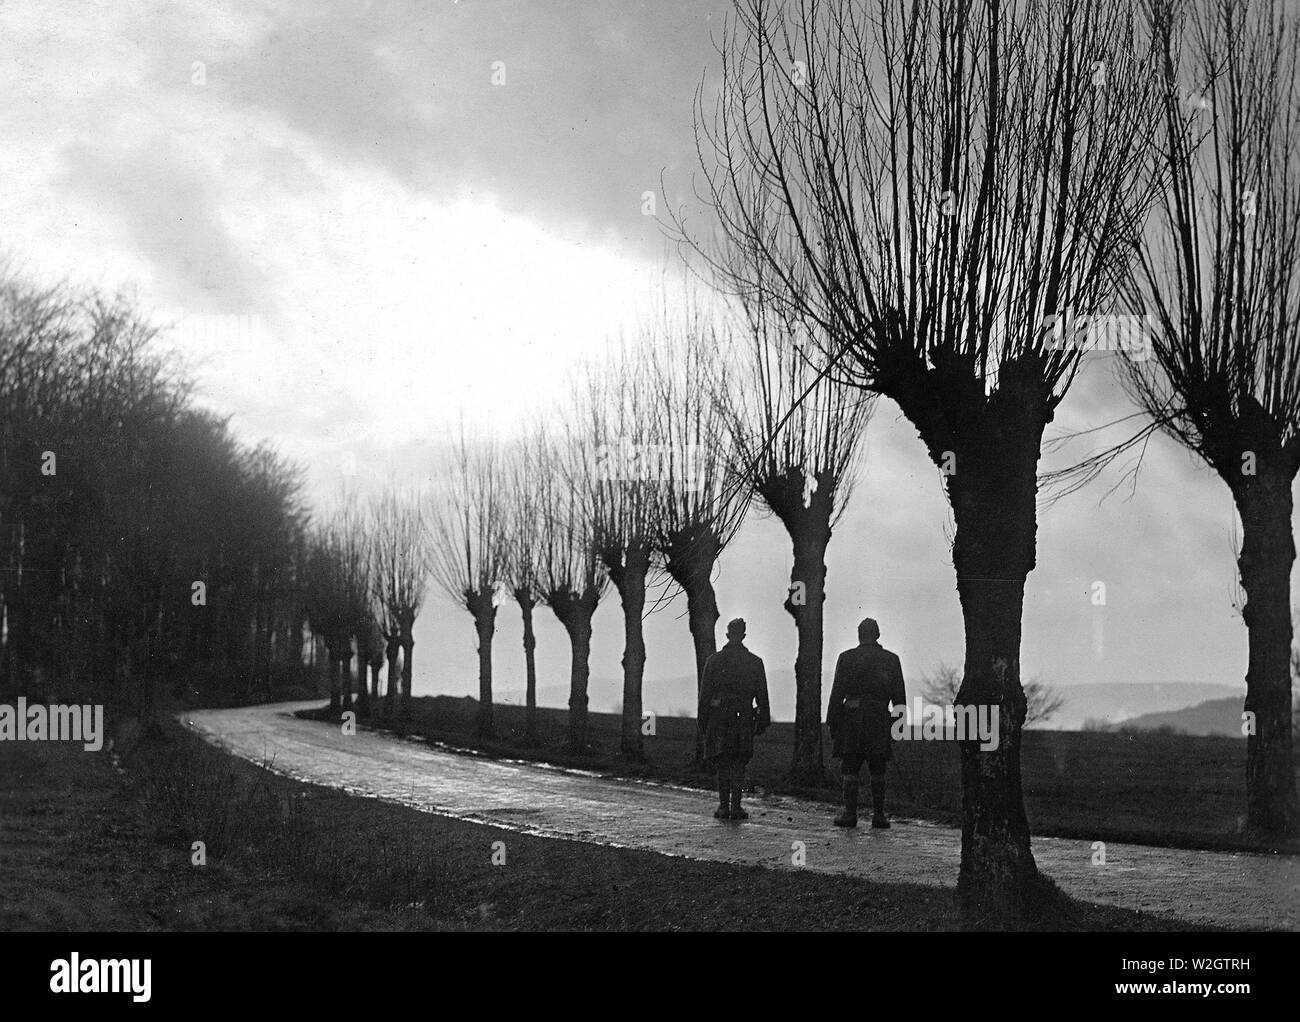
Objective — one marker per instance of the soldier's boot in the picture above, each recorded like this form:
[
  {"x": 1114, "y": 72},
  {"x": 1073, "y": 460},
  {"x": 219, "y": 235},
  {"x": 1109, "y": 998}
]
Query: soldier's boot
[
  {"x": 849, "y": 818},
  {"x": 737, "y": 781},
  {"x": 878, "y": 818},
  {"x": 723, "y": 812}
]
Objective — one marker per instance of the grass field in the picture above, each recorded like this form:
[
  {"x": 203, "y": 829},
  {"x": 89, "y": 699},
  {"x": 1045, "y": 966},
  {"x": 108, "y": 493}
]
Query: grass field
[
  {"x": 1147, "y": 788},
  {"x": 86, "y": 846}
]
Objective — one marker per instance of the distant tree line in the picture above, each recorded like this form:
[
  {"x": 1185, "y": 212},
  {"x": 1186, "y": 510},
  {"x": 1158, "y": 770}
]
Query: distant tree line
[{"x": 141, "y": 543}]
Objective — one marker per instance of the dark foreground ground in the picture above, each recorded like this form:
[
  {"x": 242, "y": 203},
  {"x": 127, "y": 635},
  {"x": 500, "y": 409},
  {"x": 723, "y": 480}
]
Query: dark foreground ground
[
  {"x": 1167, "y": 790},
  {"x": 86, "y": 845}
]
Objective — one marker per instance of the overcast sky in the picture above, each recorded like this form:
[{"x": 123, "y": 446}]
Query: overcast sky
[{"x": 367, "y": 221}]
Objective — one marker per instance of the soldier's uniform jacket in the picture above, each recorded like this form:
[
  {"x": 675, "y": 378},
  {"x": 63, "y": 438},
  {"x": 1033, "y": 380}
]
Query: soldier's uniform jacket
[
  {"x": 867, "y": 679},
  {"x": 734, "y": 684}
]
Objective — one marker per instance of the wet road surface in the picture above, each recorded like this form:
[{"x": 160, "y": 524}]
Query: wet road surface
[{"x": 1237, "y": 890}]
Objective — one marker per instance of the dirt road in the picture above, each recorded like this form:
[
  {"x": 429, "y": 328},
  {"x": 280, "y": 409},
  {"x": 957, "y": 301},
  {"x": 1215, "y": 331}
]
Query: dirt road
[{"x": 1238, "y": 890}]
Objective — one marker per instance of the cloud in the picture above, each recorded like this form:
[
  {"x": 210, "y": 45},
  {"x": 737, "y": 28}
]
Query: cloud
[
  {"x": 563, "y": 113},
  {"x": 172, "y": 214}
]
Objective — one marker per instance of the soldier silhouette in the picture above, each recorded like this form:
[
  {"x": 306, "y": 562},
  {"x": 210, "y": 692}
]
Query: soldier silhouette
[
  {"x": 733, "y": 686},
  {"x": 867, "y": 679}
]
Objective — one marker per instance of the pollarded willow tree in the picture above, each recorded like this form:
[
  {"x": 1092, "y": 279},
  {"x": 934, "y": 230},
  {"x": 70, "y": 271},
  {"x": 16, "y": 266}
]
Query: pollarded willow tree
[
  {"x": 571, "y": 573},
  {"x": 521, "y": 572},
  {"x": 625, "y": 507},
  {"x": 796, "y": 437},
  {"x": 470, "y": 548},
  {"x": 401, "y": 560},
  {"x": 1219, "y": 279},
  {"x": 921, "y": 183},
  {"x": 699, "y": 506}
]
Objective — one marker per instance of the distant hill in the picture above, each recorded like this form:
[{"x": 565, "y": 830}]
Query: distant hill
[
  {"x": 1214, "y": 717},
  {"x": 1110, "y": 703},
  {"x": 1116, "y": 702}
]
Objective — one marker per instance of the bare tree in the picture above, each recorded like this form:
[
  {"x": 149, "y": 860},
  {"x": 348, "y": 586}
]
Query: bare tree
[
  {"x": 700, "y": 506},
  {"x": 922, "y": 184},
  {"x": 1219, "y": 279},
  {"x": 470, "y": 551},
  {"x": 571, "y": 574},
  {"x": 795, "y": 440},
  {"x": 521, "y": 572},
  {"x": 1042, "y": 701},
  {"x": 401, "y": 560},
  {"x": 626, "y": 506}
]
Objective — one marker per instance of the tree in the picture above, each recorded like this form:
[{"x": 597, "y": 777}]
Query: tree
[
  {"x": 470, "y": 547},
  {"x": 272, "y": 526},
  {"x": 1042, "y": 701},
  {"x": 140, "y": 542},
  {"x": 795, "y": 437},
  {"x": 699, "y": 507},
  {"x": 571, "y": 574},
  {"x": 351, "y": 550},
  {"x": 522, "y": 572},
  {"x": 626, "y": 506},
  {"x": 921, "y": 185},
  {"x": 1218, "y": 277},
  {"x": 401, "y": 559}
]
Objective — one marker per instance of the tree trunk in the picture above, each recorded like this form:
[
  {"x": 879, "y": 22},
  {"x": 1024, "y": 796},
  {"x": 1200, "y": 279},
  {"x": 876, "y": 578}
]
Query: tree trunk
[
  {"x": 485, "y": 623},
  {"x": 345, "y": 677},
  {"x": 580, "y": 675},
  {"x": 631, "y": 585},
  {"x": 408, "y": 659},
  {"x": 526, "y": 604},
  {"x": 375, "y": 666},
  {"x": 993, "y": 496},
  {"x": 486, "y": 628},
  {"x": 805, "y": 604},
  {"x": 363, "y": 692},
  {"x": 1267, "y": 557},
  {"x": 702, "y": 617},
  {"x": 336, "y": 691},
  {"x": 394, "y": 679},
  {"x": 406, "y": 629},
  {"x": 575, "y": 614},
  {"x": 689, "y": 558}
]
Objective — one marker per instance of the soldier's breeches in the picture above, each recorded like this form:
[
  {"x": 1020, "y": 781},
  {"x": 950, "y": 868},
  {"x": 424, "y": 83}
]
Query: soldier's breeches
[
  {"x": 878, "y": 792},
  {"x": 875, "y": 765},
  {"x": 731, "y": 769}
]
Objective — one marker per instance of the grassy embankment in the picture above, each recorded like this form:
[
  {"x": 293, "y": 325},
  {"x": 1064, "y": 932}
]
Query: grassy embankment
[
  {"x": 1149, "y": 788},
  {"x": 86, "y": 845}
]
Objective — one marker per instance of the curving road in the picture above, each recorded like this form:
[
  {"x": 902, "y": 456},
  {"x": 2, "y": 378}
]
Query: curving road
[{"x": 1237, "y": 890}]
